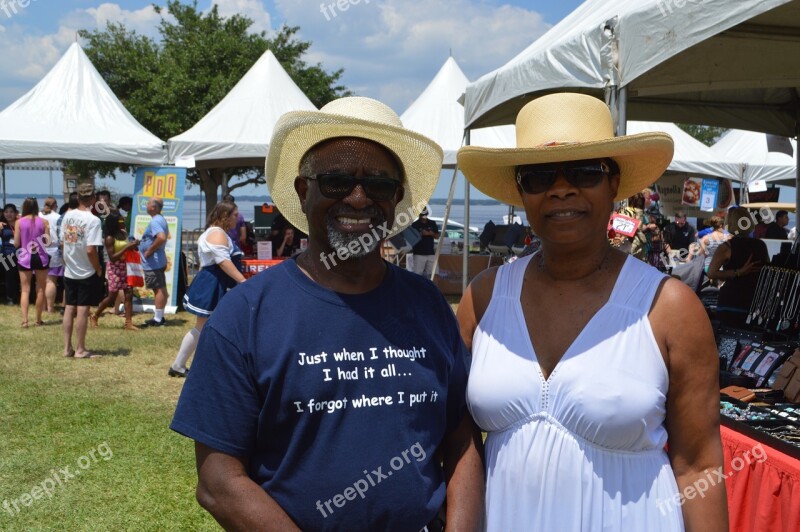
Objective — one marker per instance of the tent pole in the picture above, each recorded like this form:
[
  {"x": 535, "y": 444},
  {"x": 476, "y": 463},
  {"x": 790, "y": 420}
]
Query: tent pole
[
  {"x": 465, "y": 272},
  {"x": 443, "y": 232},
  {"x": 3, "y": 170},
  {"x": 622, "y": 111},
  {"x": 797, "y": 162}
]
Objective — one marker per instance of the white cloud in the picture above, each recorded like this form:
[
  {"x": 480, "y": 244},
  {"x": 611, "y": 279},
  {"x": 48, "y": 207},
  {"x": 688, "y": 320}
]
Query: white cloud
[
  {"x": 253, "y": 9},
  {"x": 28, "y": 56},
  {"x": 392, "y": 48},
  {"x": 142, "y": 20}
]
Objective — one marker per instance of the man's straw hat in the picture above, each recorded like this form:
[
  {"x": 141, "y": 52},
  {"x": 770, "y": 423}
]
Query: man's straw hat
[
  {"x": 566, "y": 127},
  {"x": 298, "y": 131}
]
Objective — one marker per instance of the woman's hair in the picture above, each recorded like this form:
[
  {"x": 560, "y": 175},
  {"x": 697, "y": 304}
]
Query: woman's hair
[
  {"x": 738, "y": 221},
  {"x": 715, "y": 222},
  {"x": 637, "y": 201},
  {"x": 114, "y": 223},
  {"x": 30, "y": 207},
  {"x": 10, "y": 206},
  {"x": 220, "y": 214}
]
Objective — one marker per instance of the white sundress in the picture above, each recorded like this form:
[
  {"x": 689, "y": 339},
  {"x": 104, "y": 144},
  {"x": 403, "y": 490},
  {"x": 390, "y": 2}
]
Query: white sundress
[{"x": 584, "y": 449}]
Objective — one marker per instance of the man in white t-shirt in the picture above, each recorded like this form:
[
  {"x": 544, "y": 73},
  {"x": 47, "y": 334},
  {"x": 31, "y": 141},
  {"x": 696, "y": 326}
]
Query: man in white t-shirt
[{"x": 83, "y": 283}]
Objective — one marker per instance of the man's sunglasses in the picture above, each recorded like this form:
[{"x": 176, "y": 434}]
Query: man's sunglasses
[
  {"x": 538, "y": 178},
  {"x": 339, "y": 186}
]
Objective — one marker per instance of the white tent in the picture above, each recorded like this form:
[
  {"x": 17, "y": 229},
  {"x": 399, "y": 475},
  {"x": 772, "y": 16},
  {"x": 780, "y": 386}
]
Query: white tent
[
  {"x": 612, "y": 44},
  {"x": 238, "y": 129},
  {"x": 691, "y": 156},
  {"x": 751, "y": 149},
  {"x": 72, "y": 114},
  {"x": 437, "y": 114}
]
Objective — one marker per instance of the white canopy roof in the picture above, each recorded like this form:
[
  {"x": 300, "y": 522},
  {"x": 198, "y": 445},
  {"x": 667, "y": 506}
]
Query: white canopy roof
[
  {"x": 238, "y": 129},
  {"x": 437, "y": 114},
  {"x": 617, "y": 42},
  {"x": 752, "y": 150},
  {"x": 72, "y": 114},
  {"x": 691, "y": 156}
]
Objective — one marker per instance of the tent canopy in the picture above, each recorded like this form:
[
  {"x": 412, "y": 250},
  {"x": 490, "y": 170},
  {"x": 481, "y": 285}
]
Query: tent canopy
[
  {"x": 752, "y": 150},
  {"x": 237, "y": 131},
  {"x": 691, "y": 156},
  {"x": 72, "y": 114},
  {"x": 712, "y": 53},
  {"x": 437, "y": 114}
]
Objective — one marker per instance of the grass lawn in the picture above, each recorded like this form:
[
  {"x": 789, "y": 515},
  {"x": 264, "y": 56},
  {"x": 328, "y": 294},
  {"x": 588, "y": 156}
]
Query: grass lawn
[{"x": 103, "y": 420}]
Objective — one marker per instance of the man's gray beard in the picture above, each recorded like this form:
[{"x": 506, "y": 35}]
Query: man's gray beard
[{"x": 339, "y": 240}]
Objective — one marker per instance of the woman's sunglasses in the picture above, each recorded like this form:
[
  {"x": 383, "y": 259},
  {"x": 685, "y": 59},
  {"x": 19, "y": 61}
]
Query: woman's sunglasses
[
  {"x": 339, "y": 186},
  {"x": 538, "y": 178}
]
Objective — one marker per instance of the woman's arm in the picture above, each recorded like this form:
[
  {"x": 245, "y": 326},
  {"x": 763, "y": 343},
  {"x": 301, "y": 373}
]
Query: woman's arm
[
  {"x": 220, "y": 238},
  {"x": 17, "y": 238},
  {"x": 684, "y": 333},
  {"x": 721, "y": 256}
]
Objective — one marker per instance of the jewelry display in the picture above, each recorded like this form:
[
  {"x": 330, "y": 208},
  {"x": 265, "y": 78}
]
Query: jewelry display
[{"x": 776, "y": 303}]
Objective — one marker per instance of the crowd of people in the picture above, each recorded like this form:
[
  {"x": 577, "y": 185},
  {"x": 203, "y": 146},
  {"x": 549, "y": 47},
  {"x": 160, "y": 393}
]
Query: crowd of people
[
  {"x": 81, "y": 253},
  {"x": 578, "y": 360}
]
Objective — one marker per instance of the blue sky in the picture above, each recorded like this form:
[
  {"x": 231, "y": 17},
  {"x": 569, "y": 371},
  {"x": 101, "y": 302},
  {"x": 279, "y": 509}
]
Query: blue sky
[{"x": 390, "y": 49}]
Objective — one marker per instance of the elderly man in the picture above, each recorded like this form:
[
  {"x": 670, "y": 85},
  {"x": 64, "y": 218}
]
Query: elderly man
[
  {"x": 83, "y": 282},
  {"x": 324, "y": 394},
  {"x": 154, "y": 259}
]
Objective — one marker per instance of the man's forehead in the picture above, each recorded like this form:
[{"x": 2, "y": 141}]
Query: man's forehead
[{"x": 351, "y": 152}]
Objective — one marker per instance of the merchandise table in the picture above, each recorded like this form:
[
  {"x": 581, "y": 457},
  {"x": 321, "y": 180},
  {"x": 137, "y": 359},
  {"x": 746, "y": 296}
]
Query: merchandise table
[{"x": 763, "y": 493}]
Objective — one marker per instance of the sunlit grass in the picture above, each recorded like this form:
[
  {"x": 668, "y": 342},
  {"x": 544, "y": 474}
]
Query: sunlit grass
[{"x": 54, "y": 411}]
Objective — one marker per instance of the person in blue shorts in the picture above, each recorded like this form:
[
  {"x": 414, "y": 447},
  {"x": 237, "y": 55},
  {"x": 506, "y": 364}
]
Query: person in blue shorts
[{"x": 328, "y": 392}]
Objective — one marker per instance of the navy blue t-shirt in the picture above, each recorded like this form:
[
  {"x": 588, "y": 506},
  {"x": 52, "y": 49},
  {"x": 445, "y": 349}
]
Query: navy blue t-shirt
[{"x": 339, "y": 401}]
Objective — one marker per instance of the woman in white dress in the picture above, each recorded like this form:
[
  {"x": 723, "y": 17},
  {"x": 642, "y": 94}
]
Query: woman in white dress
[{"x": 585, "y": 361}]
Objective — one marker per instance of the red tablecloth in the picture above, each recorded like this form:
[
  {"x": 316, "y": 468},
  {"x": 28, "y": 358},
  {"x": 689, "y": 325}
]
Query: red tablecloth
[{"x": 764, "y": 494}]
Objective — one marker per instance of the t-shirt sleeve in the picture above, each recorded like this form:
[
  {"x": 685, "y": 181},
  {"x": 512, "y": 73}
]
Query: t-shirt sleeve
[
  {"x": 161, "y": 226},
  {"x": 219, "y": 404},
  {"x": 94, "y": 235},
  {"x": 434, "y": 226}
]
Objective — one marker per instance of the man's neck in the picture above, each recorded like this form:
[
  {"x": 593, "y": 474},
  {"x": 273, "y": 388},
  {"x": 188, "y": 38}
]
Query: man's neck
[{"x": 348, "y": 276}]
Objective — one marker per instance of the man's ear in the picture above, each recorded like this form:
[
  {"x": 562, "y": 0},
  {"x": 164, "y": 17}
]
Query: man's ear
[
  {"x": 301, "y": 187},
  {"x": 400, "y": 194}
]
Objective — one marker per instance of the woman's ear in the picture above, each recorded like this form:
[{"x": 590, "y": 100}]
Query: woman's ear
[{"x": 613, "y": 182}]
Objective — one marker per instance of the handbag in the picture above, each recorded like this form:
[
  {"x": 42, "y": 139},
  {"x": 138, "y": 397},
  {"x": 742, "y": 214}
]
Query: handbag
[{"x": 135, "y": 272}]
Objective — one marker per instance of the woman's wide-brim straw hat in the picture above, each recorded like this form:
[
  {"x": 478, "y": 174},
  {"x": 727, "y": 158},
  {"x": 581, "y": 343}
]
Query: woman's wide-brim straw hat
[
  {"x": 298, "y": 131},
  {"x": 566, "y": 127}
]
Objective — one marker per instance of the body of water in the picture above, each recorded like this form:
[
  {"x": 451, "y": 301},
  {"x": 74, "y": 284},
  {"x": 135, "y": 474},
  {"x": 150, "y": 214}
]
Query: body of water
[{"x": 194, "y": 213}]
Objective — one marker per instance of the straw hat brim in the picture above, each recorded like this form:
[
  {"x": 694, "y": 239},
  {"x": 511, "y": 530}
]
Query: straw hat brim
[
  {"x": 642, "y": 159},
  {"x": 297, "y": 131}
]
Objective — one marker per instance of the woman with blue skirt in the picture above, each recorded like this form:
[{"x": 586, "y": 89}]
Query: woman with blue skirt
[{"x": 218, "y": 274}]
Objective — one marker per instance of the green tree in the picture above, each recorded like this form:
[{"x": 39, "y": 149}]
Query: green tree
[
  {"x": 170, "y": 84},
  {"x": 708, "y": 135}
]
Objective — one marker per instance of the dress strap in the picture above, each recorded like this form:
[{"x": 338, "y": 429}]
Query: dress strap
[
  {"x": 508, "y": 282},
  {"x": 637, "y": 285}
]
